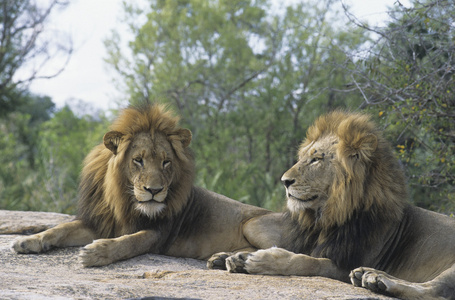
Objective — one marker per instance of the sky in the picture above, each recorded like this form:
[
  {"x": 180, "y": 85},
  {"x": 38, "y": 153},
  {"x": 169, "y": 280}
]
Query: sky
[{"x": 88, "y": 78}]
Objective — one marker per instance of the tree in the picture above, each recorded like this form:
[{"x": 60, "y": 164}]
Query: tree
[
  {"x": 23, "y": 43},
  {"x": 41, "y": 156},
  {"x": 407, "y": 78},
  {"x": 246, "y": 80},
  {"x": 65, "y": 140}
]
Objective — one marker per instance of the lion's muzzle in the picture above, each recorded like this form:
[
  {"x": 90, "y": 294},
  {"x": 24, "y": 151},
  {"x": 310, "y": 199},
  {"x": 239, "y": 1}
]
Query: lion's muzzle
[
  {"x": 146, "y": 194},
  {"x": 153, "y": 191}
]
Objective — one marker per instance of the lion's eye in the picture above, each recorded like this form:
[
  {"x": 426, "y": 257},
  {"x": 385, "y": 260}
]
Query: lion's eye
[
  {"x": 138, "y": 161},
  {"x": 166, "y": 163}
]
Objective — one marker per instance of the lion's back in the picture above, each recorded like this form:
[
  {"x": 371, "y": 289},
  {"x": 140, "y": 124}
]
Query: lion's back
[
  {"x": 211, "y": 223},
  {"x": 425, "y": 247},
  {"x": 223, "y": 209}
]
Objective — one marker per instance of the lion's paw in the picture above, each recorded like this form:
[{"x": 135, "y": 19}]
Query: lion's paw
[
  {"x": 98, "y": 253},
  {"x": 372, "y": 279},
  {"x": 218, "y": 260},
  {"x": 236, "y": 262},
  {"x": 30, "y": 244},
  {"x": 270, "y": 261}
]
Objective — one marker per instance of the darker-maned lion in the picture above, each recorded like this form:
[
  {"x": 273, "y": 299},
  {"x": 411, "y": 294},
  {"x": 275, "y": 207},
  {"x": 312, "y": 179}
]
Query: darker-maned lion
[
  {"x": 347, "y": 199},
  {"x": 137, "y": 196}
]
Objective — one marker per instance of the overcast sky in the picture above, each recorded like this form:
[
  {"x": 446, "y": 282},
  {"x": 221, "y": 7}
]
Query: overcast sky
[{"x": 89, "y": 22}]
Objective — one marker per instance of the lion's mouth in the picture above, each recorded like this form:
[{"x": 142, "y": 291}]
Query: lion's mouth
[
  {"x": 149, "y": 201},
  {"x": 147, "y": 198},
  {"x": 312, "y": 198}
]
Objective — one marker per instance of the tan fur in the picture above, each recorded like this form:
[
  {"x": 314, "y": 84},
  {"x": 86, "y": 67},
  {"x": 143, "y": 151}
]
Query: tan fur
[
  {"x": 137, "y": 196},
  {"x": 105, "y": 174},
  {"x": 347, "y": 200},
  {"x": 357, "y": 135}
]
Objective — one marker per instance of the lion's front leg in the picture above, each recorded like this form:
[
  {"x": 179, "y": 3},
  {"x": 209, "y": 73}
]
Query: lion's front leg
[
  {"x": 377, "y": 281},
  {"x": 69, "y": 234},
  {"x": 278, "y": 261},
  {"x": 272, "y": 261},
  {"x": 106, "y": 251},
  {"x": 219, "y": 260}
]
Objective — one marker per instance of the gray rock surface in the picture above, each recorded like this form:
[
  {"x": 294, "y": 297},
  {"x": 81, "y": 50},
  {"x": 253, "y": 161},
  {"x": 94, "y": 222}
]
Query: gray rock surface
[{"x": 58, "y": 275}]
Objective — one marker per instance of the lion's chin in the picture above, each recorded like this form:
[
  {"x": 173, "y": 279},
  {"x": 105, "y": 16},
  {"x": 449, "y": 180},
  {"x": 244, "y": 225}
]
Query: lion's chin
[
  {"x": 304, "y": 199},
  {"x": 151, "y": 209},
  {"x": 297, "y": 204}
]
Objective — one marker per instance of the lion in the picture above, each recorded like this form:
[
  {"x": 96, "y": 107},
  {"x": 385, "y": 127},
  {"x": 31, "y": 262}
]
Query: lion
[
  {"x": 136, "y": 196},
  {"x": 347, "y": 205}
]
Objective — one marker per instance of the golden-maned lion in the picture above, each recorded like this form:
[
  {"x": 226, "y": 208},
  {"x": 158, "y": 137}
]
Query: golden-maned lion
[
  {"x": 347, "y": 199},
  {"x": 137, "y": 196}
]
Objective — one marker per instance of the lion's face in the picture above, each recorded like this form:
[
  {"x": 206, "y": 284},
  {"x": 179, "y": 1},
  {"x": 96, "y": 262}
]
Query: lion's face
[
  {"x": 149, "y": 166},
  {"x": 345, "y": 168},
  {"x": 309, "y": 181}
]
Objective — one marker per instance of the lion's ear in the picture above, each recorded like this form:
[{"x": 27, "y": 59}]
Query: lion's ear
[
  {"x": 183, "y": 135},
  {"x": 112, "y": 140},
  {"x": 365, "y": 146},
  {"x": 369, "y": 142},
  {"x": 180, "y": 139}
]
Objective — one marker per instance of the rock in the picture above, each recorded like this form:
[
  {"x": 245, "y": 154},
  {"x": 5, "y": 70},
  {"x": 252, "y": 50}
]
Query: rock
[
  {"x": 58, "y": 275},
  {"x": 29, "y": 222}
]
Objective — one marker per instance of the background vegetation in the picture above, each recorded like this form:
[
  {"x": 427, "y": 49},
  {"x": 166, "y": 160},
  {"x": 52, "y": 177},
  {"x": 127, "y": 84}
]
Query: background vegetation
[{"x": 248, "y": 78}]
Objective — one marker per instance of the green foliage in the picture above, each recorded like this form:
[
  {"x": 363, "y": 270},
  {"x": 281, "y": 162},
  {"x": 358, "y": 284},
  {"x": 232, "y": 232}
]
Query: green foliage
[
  {"x": 246, "y": 80},
  {"x": 42, "y": 155},
  {"x": 408, "y": 80}
]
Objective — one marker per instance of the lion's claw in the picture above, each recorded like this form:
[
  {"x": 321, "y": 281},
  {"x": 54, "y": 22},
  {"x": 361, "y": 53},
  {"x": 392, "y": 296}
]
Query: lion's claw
[
  {"x": 218, "y": 261},
  {"x": 30, "y": 244},
  {"x": 369, "y": 278},
  {"x": 236, "y": 263},
  {"x": 97, "y": 253},
  {"x": 356, "y": 277}
]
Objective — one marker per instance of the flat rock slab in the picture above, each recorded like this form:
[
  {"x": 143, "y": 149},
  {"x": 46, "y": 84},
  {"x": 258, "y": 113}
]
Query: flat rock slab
[
  {"x": 58, "y": 275},
  {"x": 29, "y": 222}
]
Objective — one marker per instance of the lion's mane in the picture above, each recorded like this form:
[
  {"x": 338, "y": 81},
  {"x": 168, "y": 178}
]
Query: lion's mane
[
  {"x": 105, "y": 203},
  {"x": 367, "y": 197}
]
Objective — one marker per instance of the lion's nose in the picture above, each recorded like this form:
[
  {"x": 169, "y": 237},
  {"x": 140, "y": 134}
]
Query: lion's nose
[
  {"x": 153, "y": 191},
  {"x": 287, "y": 182}
]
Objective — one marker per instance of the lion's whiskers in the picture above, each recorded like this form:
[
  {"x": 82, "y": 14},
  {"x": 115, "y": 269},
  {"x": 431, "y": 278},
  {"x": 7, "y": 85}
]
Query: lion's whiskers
[{"x": 130, "y": 189}]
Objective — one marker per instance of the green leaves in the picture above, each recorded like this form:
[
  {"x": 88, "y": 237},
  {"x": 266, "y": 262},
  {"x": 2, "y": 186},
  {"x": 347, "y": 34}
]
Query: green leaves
[
  {"x": 41, "y": 155},
  {"x": 413, "y": 87},
  {"x": 247, "y": 81}
]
